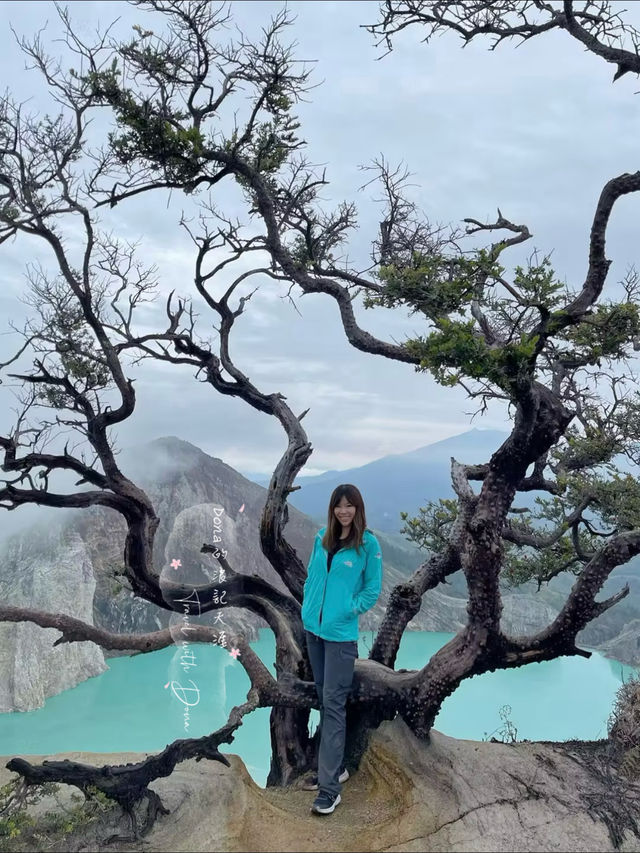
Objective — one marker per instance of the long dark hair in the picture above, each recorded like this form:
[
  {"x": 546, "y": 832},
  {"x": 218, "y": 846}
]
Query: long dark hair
[{"x": 334, "y": 528}]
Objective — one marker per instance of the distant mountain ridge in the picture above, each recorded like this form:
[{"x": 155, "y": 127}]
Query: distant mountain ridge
[
  {"x": 77, "y": 562},
  {"x": 407, "y": 481},
  {"x": 398, "y": 481}
]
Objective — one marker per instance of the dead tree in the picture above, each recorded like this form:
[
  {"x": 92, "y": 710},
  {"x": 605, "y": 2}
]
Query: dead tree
[
  {"x": 525, "y": 339},
  {"x": 595, "y": 25}
]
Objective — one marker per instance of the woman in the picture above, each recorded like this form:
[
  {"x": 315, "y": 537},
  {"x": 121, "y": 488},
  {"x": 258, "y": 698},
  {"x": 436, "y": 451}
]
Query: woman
[{"x": 344, "y": 579}]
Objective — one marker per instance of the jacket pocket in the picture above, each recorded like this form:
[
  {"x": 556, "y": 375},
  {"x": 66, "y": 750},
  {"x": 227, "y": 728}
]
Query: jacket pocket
[
  {"x": 342, "y": 614},
  {"x": 309, "y": 600}
]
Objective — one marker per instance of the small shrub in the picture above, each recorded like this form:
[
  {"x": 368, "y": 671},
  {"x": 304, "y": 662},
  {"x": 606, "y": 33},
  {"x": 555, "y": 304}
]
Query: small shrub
[
  {"x": 20, "y": 831},
  {"x": 507, "y": 732},
  {"x": 624, "y": 726}
]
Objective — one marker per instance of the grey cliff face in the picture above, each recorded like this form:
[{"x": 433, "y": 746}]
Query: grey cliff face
[{"x": 46, "y": 571}]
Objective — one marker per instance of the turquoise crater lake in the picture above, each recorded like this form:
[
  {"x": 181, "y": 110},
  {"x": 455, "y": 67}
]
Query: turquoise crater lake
[{"x": 132, "y": 706}]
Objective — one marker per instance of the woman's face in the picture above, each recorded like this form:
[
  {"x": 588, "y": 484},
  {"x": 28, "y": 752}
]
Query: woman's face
[{"x": 344, "y": 511}]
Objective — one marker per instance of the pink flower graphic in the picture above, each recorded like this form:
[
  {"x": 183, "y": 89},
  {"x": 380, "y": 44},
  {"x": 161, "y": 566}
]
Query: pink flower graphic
[
  {"x": 234, "y": 653},
  {"x": 348, "y": 563},
  {"x": 175, "y": 563}
]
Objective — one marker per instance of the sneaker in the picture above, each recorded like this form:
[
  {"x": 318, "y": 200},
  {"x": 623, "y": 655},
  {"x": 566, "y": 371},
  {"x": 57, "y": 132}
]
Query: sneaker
[
  {"x": 311, "y": 784},
  {"x": 325, "y": 803}
]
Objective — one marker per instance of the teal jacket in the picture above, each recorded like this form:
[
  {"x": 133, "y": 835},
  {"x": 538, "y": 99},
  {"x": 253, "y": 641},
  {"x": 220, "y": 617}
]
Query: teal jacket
[{"x": 334, "y": 599}]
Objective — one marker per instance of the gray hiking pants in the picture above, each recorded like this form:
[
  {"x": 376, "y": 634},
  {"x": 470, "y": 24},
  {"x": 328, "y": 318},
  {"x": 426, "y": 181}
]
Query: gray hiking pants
[{"x": 332, "y": 664}]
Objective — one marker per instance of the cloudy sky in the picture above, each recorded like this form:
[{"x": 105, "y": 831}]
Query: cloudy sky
[{"x": 536, "y": 130}]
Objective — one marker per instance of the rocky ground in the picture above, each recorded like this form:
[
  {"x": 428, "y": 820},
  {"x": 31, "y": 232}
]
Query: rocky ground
[{"x": 407, "y": 795}]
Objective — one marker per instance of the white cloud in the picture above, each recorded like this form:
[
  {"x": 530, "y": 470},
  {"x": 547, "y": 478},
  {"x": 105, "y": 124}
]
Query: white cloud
[{"x": 280, "y": 367}]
